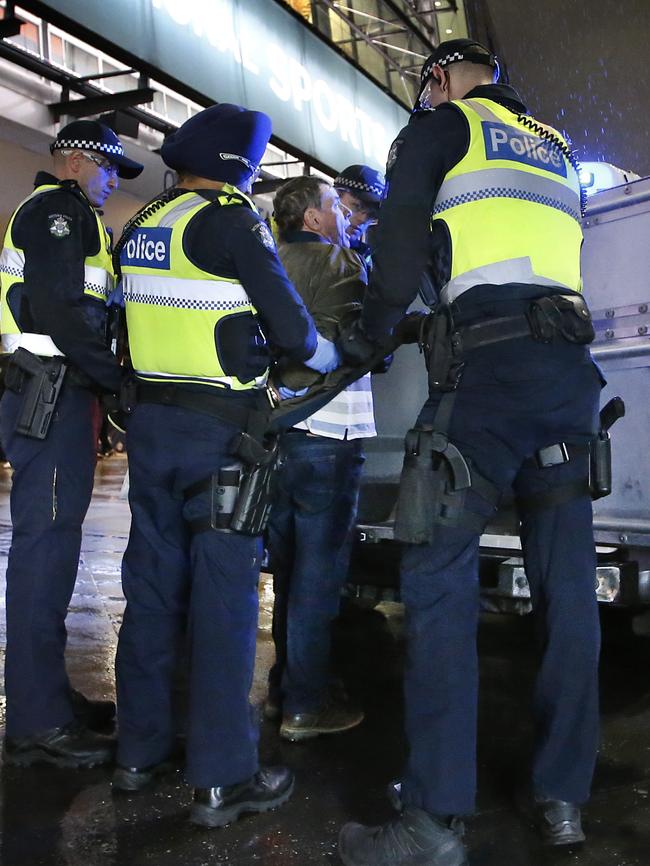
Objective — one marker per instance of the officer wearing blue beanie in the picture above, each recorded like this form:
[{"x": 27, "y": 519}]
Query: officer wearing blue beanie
[
  {"x": 204, "y": 291},
  {"x": 240, "y": 137}
]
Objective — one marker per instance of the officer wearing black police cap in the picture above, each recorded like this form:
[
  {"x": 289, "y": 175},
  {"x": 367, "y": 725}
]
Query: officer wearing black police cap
[
  {"x": 205, "y": 294},
  {"x": 487, "y": 200},
  {"x": 361, "y": 189},
  {"x": 56, "y": 274}
]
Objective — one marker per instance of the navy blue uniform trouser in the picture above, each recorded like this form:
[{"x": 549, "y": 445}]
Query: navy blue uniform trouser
[
  {"x": 308, "y": 538},
  {"x": 201, "y": 588},
  {"x": 50, "y": 494},
  {"x": 514, "y": 398}
]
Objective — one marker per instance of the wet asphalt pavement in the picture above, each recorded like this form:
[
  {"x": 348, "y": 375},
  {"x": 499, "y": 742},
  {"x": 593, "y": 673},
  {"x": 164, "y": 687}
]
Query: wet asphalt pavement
[{"x": 56, "y": 817}]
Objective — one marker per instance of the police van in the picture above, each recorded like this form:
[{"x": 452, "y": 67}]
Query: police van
[{"x": 616, "y": 268}]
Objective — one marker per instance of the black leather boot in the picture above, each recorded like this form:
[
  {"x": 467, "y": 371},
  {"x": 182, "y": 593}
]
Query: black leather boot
[
  {"x": 72, "y": 745},
  {"x": 132, "y": 779},
  {"x": 415, "y": 838},
  {"x": 557, "y": 821},
  {"x": 216, "y": 807}
]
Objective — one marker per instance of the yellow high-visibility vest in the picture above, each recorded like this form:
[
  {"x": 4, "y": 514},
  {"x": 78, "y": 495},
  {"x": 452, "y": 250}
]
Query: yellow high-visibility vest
[
  {"x": 99, "y": 280},
  {"x": 511, "y": 206},
  {"x": 173, "y": 307}
]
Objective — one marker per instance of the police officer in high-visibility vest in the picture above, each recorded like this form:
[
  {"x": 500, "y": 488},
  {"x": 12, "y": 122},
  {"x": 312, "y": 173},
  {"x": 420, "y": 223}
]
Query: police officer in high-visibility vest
[
  {"x": 204, "y": 292},
  {"x": 56, "y": 274},
  {"x": 488, "y": 200}
]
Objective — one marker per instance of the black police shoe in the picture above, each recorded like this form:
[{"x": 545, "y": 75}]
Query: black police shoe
[
  {"x": 558, "y": 821},
  {"x": 215, "y": 807},
  {"x": 334, "y": 718},
  {"x": 132, "y": 779},
  {"x": 95, "y": 715},
  {"x": 72, "y": 746},
  {"x": 415, "y": 838}
]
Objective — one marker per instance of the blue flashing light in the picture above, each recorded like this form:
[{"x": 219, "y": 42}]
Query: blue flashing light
[{"x": 598, "y": 176}]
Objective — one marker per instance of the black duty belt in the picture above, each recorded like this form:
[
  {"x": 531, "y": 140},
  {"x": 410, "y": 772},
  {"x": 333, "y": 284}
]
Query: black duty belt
[
  {"x": 445, "y": 344},
  {"x": 217, "y": 405},
  {"x": 492, "y": 331}
]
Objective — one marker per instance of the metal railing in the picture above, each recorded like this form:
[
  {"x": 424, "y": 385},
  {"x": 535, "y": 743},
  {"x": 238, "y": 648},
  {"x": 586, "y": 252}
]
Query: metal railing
[{"x": 387, "y": 39}]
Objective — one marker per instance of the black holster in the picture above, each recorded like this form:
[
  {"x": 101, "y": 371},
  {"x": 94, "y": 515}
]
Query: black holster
[
  {"x": 600, "y": 465},
  {"x": 40, "y": 383},
  {"x": 600, "y": 450},
  {"x": 434, "y": 479},
  {"x": 240, "y": 494},
  {"x": 441, "y": 348},
  {"x": 253, "y": 506}
]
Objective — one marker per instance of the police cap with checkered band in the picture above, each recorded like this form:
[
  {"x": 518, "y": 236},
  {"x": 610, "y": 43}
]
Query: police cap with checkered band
[
  {"x": 456, "y": 51},
  {"x": 365, "y": 182},
  {"x": 98, "y": 138}
]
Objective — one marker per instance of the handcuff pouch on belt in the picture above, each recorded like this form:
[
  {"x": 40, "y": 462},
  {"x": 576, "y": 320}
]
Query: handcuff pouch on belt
[
  {"x": 241, "y": 493},
  {"x": 39, "y": 381},
  {"x": 433, "y": 487},
  {"x": 567, "y": 315}
]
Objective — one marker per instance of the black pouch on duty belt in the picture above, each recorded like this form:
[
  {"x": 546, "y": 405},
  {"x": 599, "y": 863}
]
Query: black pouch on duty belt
[
  {"x": 566, "y": 315},
  {"x": 440, "y": 345}
]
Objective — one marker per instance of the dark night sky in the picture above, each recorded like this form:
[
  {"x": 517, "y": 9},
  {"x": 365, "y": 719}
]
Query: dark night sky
[{"x": 582, "y": 66}]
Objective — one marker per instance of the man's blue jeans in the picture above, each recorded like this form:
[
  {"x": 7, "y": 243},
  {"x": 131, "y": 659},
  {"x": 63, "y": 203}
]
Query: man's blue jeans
[{"x": 309, "y": 537}]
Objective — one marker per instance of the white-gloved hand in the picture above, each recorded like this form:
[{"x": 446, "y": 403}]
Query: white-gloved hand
[{"x": 325, "y": 358}]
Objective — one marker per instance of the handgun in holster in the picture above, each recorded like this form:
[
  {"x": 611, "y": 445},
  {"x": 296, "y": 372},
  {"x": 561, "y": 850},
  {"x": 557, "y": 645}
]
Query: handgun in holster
[
  {"x": 240, "y": 493},
  {"x": 259, "y": 464},
  {"x": 40, "y": 383},
  {"x": 600, "y": 450}
]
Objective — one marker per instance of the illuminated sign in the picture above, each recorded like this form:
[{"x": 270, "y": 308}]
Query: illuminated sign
[{"x": 256, "y": 54}]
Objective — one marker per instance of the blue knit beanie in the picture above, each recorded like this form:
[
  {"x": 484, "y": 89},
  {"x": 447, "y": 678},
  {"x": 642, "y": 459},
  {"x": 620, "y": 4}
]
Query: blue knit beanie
[{"x": 224, "y": 142}]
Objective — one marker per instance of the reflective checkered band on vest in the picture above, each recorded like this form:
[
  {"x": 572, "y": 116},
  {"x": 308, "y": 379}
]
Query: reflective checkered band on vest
[
  {"x": 96, "y": 289},
  {"x": 506, "y": 183},
  {"x": 97, "y": 281},
  {"x": 184, "y": 294},
  {"x": 180, "y": 303},
  {"x": 506, "y": 192},
  {"x": 12, "y": 262},
  {"x": 82, "y": 144}
]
